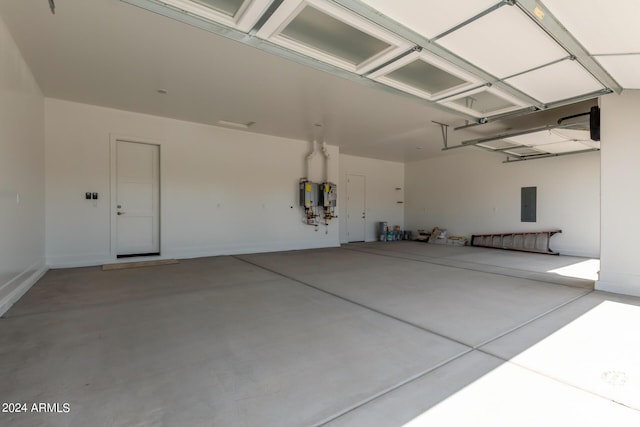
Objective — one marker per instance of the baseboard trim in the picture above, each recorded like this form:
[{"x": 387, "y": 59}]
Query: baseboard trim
[{"x": 21, "y": 288}]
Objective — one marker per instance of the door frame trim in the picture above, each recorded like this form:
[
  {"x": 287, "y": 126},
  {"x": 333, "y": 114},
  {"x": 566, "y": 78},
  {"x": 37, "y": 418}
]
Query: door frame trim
[
  {"x": 113, "y": 175},
  {"x": 364, "y": 177}
]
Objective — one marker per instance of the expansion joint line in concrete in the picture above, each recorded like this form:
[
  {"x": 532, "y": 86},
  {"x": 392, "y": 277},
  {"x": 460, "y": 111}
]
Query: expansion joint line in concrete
[
  {"x": 458, "y": 356},
  {"x": 443, "y": 264},
  {"x": 419, "y": 375},
  {"x": 350, "y": 301}
]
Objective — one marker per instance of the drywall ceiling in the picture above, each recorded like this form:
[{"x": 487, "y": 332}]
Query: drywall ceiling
[{"x": 112, "y": 54}]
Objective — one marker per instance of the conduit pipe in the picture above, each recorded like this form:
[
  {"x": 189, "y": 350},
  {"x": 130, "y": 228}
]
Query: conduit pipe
[
  {"x": 313, "y": 152},
  {"x": 325, "y": 151},
  {"x": 310, "y": 157}
]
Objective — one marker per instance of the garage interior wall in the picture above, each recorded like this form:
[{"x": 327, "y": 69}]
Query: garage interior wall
[
  {"x": 22, "y": 233},
  {"x": 381, "y": 197},
  {"x": 227, "y": 191},
  {"x": 222, "y": 191},
  {"x": 620, "y": 131},
  {"x": 472, "y": 192}
]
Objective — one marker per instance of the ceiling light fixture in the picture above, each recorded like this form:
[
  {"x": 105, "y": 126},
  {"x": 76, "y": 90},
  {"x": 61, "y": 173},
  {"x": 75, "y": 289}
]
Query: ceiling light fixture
[
  {"x": 239, "y": 14},
  {"x": 237, "y": 125}
]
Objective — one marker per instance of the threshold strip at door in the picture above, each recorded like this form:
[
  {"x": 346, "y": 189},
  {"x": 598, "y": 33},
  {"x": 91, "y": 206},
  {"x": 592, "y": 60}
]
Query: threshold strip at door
[
  {"x": 137, "y": 264},
  {"x": 137, "y": 255}
]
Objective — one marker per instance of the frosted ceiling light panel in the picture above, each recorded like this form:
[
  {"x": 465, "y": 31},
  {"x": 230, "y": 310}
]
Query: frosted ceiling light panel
[
  {"x": 239, "y": 14},
  {"x": 430, "y": 18},
  {"x": 564, "y": 147},
  {"x": 600, "y": 26},
  {"x": 625, "y": 69},
  {"x": 563, "y": 80},
  {"x": 329, "y": 35},
  {"x": 484, "y": 102},
  {"x": 332, "y": 34},
  {"x": 425, "y": 75},
  {"x": 525, "y": 151},
  {"x": 503, "y": 43},
  {"x": 228, "y": 7},
  {"x": 537, "y": 138}
]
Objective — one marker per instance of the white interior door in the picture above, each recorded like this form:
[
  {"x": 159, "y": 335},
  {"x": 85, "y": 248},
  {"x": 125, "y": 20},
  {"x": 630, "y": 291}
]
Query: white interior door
[
  {"x": 356, "y": 209},
  {"x": 137, "y": 199}
]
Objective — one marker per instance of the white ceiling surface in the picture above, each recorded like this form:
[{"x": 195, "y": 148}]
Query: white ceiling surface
[
  {"x": 624, "y": 68},
  {"x": 608, "y": 30},
  {"x": 602, "y": 26},
  {"x": 109, "y": 53}
]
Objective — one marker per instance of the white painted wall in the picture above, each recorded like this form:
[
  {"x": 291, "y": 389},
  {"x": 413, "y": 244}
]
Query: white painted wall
[
  {"x": 381, "y": 197},
  {"x": 620, "y": 134},
  {"x": 222, "y": 191},
  {"x": 472, "y": 192},
  {"x": 21, "y": 174}
]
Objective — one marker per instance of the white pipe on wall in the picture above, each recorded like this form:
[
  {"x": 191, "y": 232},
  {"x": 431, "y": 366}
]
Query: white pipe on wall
[
  {"x": 309, "y": 158},
  {"x": 325, "y": 151},
  {"x": 316, "y": 129}
]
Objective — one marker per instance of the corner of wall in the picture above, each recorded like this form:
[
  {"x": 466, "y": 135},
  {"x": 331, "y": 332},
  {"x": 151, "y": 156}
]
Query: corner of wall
[
  {"x": 22, "y": 195},
  {"x": 20, "y": 284}
]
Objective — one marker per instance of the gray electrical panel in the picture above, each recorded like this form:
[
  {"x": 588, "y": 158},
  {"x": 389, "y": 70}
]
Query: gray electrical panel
[
  {"x": 308, "y": 194},
  {"x": 328, "y": 195},
  {"x": 528, "y": 199}
]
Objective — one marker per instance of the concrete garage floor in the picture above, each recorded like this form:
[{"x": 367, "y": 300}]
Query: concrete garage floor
[{"x": 378, "y": 334}]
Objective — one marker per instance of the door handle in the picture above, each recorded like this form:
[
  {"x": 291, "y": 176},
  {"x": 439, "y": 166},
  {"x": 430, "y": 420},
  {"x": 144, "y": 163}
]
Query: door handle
[{"x": 121, "y": 213}]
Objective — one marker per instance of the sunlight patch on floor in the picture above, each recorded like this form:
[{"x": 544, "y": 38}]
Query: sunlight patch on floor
[
  {"x": 586, "y": 373},
  {"x": 583, "y": 270}
]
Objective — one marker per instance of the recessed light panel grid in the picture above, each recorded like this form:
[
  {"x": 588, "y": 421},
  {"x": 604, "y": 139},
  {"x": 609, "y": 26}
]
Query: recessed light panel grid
[
  {"x": 503, "y": 43},
  {"x": 484, "y": 102},
  {"x": 563, "y": 80},
  {"x": 430, "y": 18},
  {"x": 332, "y": 34},
  {"x": 318, "y": 30},
  {"x": 228, "y": 7},
  {"x": 425, "y": 75},
  {"x": 239, "y": 14}
]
